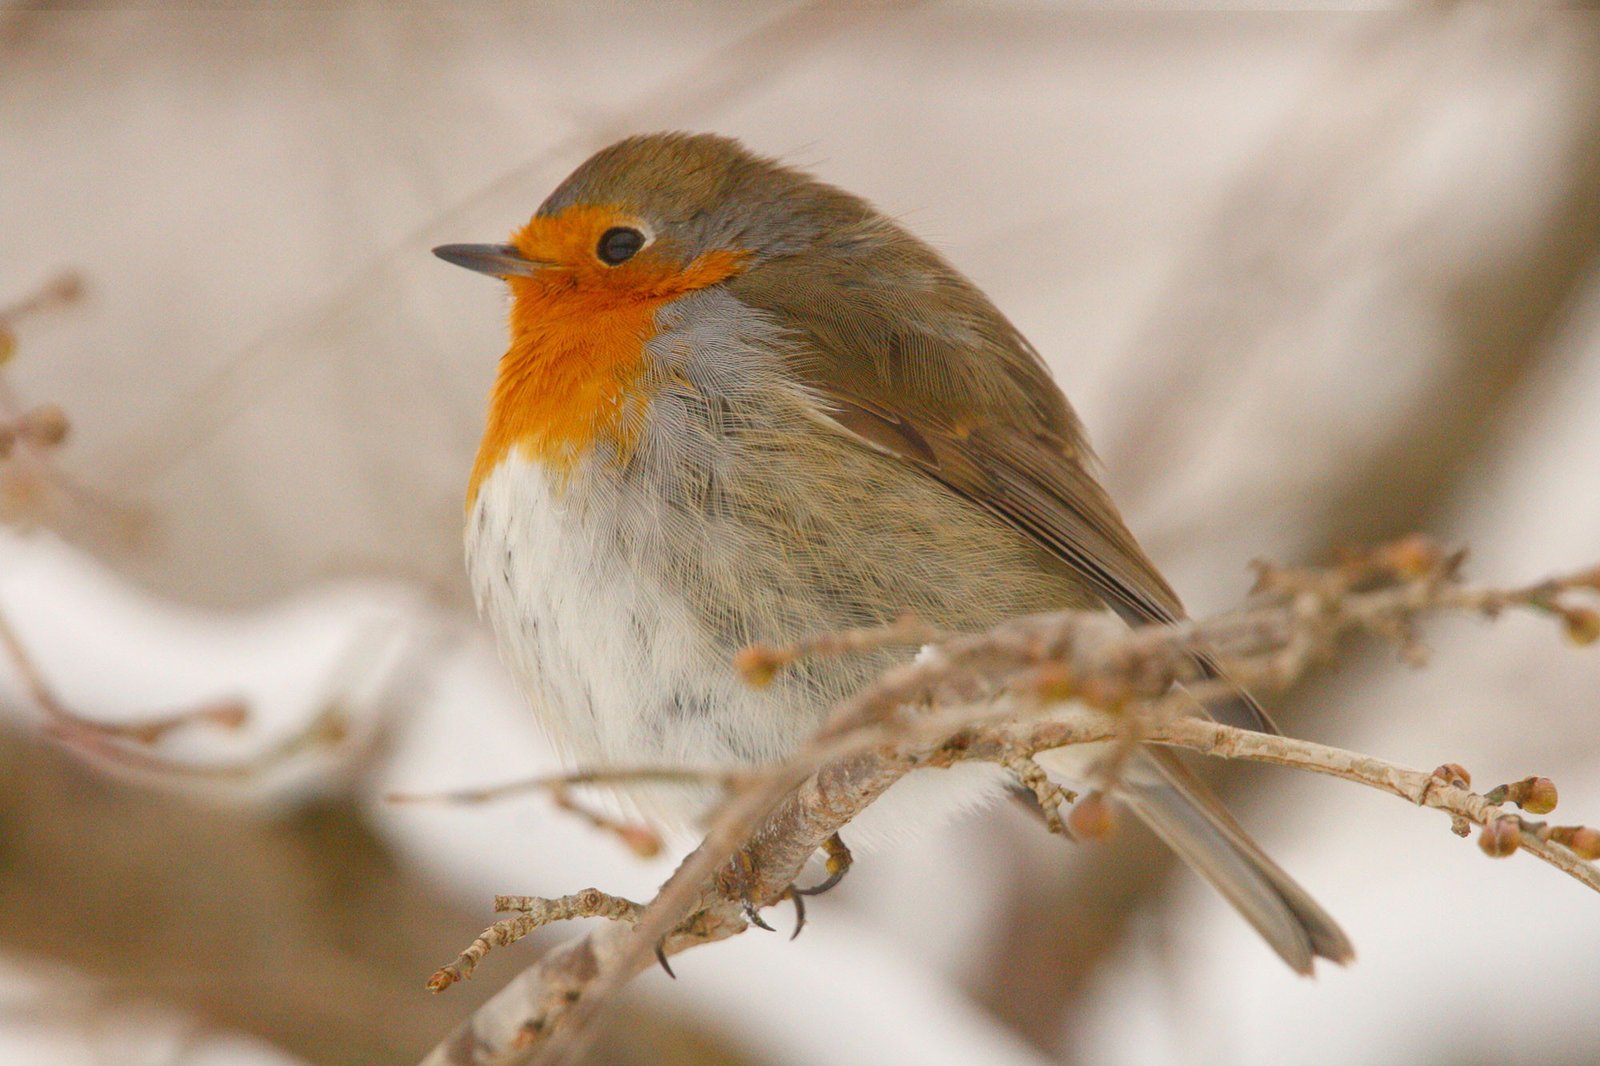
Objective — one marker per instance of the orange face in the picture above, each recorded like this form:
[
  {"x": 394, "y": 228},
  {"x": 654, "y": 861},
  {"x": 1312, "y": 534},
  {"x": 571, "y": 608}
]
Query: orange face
[{"x": 581, "y": 315}]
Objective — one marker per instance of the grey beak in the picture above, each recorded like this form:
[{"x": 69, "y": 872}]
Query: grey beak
[{"x": 499, "y": 260}]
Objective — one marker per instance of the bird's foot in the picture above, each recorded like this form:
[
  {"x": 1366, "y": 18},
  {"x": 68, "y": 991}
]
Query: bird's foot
[
  {"x": 838, "y": 864},
  {"x": 741, "y": 874}
]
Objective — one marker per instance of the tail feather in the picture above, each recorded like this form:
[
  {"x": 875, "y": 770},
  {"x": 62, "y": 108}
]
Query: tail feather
[{"x": 1185, "y": 813}]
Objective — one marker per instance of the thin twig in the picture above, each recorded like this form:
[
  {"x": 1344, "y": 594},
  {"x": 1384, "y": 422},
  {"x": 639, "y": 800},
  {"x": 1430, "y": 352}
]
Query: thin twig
[
  {"x": 130, "y": 744},
  {"x": 758, "y": 664},
  {"x": 638, "y": 838},
  {"x": 532, "y": 912},
  {"x": 1416, "y": 786},
  {"x": 63, "y": 290},
  {"x": 31, "y": 435},
  {"x": 144, "y": 730},
  {"x": 671, "y": 775}
]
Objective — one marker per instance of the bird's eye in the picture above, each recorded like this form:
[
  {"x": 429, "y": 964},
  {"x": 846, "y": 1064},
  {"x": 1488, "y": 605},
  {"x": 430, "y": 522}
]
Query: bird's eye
[{"x": 619, "y": 244}]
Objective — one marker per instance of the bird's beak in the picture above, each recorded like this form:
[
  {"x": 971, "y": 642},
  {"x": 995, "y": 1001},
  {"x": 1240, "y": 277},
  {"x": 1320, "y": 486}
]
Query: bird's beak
[{"x": 500, "y": 260}]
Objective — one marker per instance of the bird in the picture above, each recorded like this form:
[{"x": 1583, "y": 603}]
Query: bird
[{"x": 740, "y": 404}]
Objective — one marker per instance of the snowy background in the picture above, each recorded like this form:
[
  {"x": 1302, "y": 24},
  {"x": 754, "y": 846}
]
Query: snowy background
[{"x": 1310, "y": 278}]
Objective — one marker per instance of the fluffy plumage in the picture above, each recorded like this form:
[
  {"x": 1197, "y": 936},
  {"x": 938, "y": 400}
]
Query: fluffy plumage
[{"x": 787, "y": 415}]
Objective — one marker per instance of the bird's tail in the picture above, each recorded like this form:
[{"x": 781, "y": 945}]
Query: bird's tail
[{"x": 1187, "y": 815}]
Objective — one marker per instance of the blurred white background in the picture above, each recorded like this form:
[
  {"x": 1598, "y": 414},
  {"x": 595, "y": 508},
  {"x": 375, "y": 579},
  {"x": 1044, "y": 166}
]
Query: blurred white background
[{"x": 1311, "y": 279}]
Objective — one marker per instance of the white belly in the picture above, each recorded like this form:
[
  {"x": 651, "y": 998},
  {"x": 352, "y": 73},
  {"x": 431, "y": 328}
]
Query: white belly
[
  {"x": 617, "y": 665},
  {"x": 620, "y": 669}
]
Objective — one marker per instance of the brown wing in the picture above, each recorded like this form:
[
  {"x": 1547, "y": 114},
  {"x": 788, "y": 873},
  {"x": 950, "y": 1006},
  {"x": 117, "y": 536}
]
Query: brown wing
[
  {"x": 910, "y": 358},
  {"x": 1030, "y": 484}
]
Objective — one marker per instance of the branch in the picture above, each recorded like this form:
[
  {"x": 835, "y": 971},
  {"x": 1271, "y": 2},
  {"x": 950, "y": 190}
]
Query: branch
[
  {"x": 148, "y": 729},
  {"x": 132, "y": 744},
  {"x": 637, "y": 838},
  {"x": 1567, "y": 848},
  {"x": 32, "y": 483},
  {"x": 1029, "y": 686}
]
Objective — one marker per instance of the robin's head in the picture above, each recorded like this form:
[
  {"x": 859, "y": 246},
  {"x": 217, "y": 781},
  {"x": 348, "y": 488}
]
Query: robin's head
[
  {"x": 659, "y": 215},
  {"x": 641, "y": 224}
]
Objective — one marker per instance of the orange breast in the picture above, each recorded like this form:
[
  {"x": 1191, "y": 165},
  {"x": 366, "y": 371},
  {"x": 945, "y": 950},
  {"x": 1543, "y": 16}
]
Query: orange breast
[{"x": 576, "y": 363}]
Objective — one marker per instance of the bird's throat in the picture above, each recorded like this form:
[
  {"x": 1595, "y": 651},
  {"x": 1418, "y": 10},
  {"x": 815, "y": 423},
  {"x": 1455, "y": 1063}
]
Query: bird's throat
[
  {"x": 577, "y": 372},
  {"x": 563, "y": 386}
]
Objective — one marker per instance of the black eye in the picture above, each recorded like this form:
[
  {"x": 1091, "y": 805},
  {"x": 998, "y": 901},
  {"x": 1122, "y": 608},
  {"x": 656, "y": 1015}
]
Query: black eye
[{"x": 619, "y": 244}]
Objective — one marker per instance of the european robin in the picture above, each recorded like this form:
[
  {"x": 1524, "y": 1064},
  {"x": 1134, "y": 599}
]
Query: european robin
[{"x": 742, "y": 405}]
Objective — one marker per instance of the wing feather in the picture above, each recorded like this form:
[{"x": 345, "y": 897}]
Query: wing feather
[{"x": 955, "y": 391}]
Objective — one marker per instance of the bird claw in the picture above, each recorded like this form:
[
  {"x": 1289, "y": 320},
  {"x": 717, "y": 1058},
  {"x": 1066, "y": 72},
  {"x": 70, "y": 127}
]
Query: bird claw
[
  {"x": 798, "y": 897},
  {"x": 753, "y": 916},
  {"x": 839, "y": 862}
]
